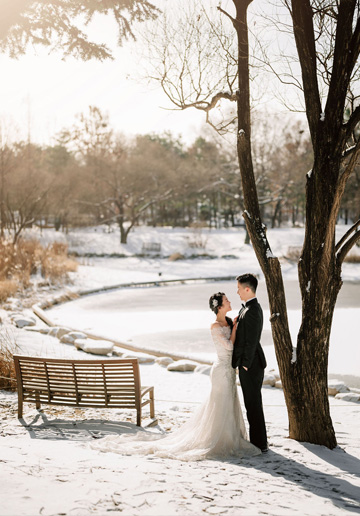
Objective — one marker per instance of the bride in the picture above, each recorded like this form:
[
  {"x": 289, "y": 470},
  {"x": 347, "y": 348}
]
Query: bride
[{"x": 216, "y": 429}]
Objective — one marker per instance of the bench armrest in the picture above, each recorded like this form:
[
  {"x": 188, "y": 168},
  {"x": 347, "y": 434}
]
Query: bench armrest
[{"x": 145, "y": 390}]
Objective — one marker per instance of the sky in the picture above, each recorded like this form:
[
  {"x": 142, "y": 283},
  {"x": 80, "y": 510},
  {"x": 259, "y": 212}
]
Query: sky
[
  {"x": 44, "y": 92},
  {"x": 48, "y": 93},
  {"x": 40, "y": 93}
]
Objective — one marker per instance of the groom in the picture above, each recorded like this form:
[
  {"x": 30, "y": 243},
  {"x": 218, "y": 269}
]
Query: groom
[{"x": 249, "y": 357}]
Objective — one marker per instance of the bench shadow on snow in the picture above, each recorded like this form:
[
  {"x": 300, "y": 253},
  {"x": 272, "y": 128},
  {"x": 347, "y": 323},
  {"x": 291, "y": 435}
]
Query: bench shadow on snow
[{"x": 75, "y": 430}]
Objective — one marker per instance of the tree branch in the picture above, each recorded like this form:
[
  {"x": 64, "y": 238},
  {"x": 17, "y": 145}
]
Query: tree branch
[
  {"x": 341, "y": 255},
  {"x": 352, "y": 122},
  {"x": 343, "y": 61},
  {"x": 340, "y": 188},
  {"x": 227, "y": 14},
  {"x": 305, "y": 43},
  {"x": 346, "y": 236},
  {"x": 349, "y": 151},
  {"x": 355, "y": 44}
]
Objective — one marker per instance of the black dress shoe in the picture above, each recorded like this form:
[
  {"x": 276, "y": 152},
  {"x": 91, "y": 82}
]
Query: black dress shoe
[{"x": 265, "y": 450}]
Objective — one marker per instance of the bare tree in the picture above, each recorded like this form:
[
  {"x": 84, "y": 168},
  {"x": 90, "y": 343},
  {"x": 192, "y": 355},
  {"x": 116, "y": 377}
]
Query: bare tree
[
  {"x": 336, "y": 147},
  {"x": 124, "y": 180},
  {"x": 281, "y": 152},
  {"x": 6, "y": 165},
  {"x": 64, "y": 171},
  {"x": 27, "y": 188}
]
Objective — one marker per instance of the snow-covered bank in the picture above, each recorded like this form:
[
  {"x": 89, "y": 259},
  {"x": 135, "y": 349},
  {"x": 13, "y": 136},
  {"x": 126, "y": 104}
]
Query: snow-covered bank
[{"x": 219, "y": 250}]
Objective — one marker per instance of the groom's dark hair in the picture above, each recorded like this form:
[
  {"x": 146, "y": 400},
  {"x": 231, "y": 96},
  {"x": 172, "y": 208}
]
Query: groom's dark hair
[{"x": 249, "y": 280}]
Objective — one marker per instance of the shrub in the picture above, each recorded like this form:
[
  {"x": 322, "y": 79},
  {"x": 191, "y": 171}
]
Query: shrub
[
  {"x": 176, "y": 256},
  {"x": 55, "y": 264},
  {"x": 7, "y": 289},
  {"x": 7, "y": 259},
  {"x": 59, "y": 249},
  {"x": 8, "y": 347},
  {"x": 20, "y": 261},
  {"x": 27, "y": 258}
]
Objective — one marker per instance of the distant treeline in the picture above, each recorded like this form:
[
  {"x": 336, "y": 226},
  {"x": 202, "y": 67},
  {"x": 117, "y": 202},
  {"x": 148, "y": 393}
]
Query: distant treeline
[{"x": 92, "y": 175}]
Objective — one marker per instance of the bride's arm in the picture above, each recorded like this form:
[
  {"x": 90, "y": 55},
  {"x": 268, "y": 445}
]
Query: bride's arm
[{"x": 219, "y": 336}]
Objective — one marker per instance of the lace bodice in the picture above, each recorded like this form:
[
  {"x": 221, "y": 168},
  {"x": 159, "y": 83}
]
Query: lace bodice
[{"x": 221, "y": 338}]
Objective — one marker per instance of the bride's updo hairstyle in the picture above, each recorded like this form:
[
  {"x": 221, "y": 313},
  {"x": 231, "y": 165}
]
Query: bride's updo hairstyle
[{"x": 216, "y": 301}]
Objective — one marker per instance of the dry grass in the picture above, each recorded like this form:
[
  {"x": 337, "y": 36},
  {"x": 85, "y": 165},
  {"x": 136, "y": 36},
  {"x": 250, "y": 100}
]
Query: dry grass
[
  {"x": 8, "y": 348},
  {"x": 19, "y": 262},
  {"x": 8, "y": 288},
  {"x": 176, "y": 256},
  {"x": 55, "y": 263},
  {"x": 7, "y": 259}
]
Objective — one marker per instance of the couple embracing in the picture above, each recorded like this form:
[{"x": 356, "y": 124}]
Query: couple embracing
[
  {"x": 247, "y": 353},
  {"x": 217, "y": 428}
]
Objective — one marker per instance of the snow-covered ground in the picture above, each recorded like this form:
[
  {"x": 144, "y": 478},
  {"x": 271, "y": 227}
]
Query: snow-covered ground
[{"x": 48, "y": 468}]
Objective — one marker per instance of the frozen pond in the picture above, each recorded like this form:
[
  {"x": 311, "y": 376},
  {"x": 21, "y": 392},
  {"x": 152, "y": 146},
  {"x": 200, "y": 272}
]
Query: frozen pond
[{"x": 177, "y": 318}]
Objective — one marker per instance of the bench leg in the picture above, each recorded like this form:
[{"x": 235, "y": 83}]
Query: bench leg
[
  {"x": 138, "y": 417},
  {"x": 37, "y": 402},
  {"x": 152, "y": 405},
  {"x": 20, "y": 409}
]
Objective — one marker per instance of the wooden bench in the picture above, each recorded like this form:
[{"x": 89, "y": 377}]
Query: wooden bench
[{"x": 82, "y": 383}]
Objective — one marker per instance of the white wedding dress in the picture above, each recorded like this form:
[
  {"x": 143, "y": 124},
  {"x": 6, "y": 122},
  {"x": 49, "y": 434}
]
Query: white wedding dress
[{"x": 215, "y": 430}]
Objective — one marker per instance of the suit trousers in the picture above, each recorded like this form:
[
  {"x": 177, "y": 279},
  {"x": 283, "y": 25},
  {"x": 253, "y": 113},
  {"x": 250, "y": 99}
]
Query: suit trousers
[{"x": 251, "y": 383}]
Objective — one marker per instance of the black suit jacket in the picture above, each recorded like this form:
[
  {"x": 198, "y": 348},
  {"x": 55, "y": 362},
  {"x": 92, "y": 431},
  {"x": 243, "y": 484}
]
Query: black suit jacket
[{"x": 247, "y": 341}]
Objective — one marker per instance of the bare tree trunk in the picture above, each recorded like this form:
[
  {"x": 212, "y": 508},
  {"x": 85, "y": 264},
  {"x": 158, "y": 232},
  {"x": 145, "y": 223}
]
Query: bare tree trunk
[
  {"x": 270, "y": 265},
  {"x": 304, "y": 378},
  {"x": 123, "y": 234},
  {"x": 276, "y": 214}
]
